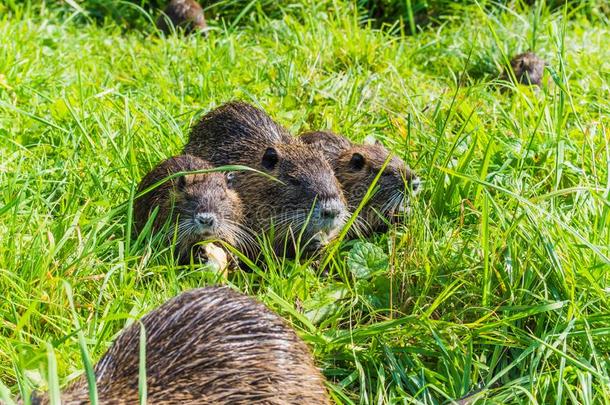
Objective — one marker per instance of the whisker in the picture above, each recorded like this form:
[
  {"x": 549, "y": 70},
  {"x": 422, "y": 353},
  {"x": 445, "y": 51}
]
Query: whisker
[
  {"x": 243, "y": 240},
  {"x": 399, "y": 200},
  {"x": 363, "y": 227},
  {"x": 392, "y": 203},
  {"x": 289, "y": 220},
  {"x": 240, "y": 226}
]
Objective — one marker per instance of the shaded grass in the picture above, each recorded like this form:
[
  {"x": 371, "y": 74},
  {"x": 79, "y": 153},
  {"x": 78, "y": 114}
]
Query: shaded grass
[{"x": 498, "y": 282}]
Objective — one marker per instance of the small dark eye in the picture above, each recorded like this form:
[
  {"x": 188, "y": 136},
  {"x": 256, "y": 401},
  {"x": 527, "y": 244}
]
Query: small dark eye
[
  {"x": 357, "y": 161},
  {"x": 294, "y": 181}
]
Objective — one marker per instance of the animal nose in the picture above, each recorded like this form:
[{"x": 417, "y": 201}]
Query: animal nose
[
  {"x": 205, "y": 220},
  {"x": 329, "y": 213},
  {"x": 415, "y": 184},
  {"x": 330, "y": 210},
  {"x": 412, "y": 180}
]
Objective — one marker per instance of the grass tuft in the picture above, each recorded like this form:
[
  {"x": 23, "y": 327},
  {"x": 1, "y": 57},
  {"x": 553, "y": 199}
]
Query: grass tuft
[{"x": 495, "y": 289}]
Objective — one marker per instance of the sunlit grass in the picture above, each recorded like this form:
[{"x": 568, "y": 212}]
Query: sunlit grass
[{"x": 496, "y": 286}]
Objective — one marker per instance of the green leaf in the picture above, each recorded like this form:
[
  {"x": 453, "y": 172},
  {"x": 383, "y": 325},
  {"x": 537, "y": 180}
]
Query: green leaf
[
  {"x": 376, "y": 291},
  {"x": 142, "y": 387},
  {"x": 366, "y": 259},
  {"x": 54, "y": 393},
  {"x": 324, "y": 304},
  {"x": 5, "y": 394}
]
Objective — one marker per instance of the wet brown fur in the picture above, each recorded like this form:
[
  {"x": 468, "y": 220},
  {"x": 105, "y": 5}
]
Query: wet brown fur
[
  {"x": 181, "y": 198},
  {"x": 393, "y": 184},
  {"x": 527, "y": 68},
  {"x": 183, "y": 14},
  {"x": 207, "y": 346},
  {"x": 239, "y": 133}
]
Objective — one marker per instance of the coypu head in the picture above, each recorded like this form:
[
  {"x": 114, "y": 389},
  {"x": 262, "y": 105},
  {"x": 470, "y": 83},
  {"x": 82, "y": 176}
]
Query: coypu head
[
  {"x": 186, "y": 15},
  {"x": 356, "y": 170},
  {"x": 356, "y": 167},
  {"x": 209, "y": 345},
  {"x": 527, "y": 68},
  {"x": 303, "y": 207},
  {"x": 200, "y": 206}
]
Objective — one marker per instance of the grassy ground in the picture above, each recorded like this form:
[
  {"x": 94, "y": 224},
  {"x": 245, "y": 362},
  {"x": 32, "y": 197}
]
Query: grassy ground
[{"x": 499, "y": 282}]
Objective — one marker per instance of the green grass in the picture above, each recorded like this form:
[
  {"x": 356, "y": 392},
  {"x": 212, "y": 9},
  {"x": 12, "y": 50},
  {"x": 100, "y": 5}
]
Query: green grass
[{"x": 499, "y": 283}]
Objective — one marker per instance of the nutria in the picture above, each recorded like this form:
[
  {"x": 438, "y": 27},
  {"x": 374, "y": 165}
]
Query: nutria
[
  {"x": 206, "y": 346},
  {"x": 527, "y": 69},
  {"x": 356, "y": 166},
  {"x": 201, "y": 206},
  {"x": 183, "y": 14},
  {"x": 305, "y": 208}
]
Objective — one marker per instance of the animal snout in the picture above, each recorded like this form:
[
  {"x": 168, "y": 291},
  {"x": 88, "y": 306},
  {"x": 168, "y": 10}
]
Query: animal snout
[
  {"x": 205, "y": 220},
  {"x": 329, "y": 213},
  {"x": 412, "y": 180},
  {"x": 415, "y": 184}
]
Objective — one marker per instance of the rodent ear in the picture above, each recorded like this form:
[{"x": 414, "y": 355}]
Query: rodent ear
[
  {"x": 270, "y": 159},
  {"x": 357, "y": 161}
]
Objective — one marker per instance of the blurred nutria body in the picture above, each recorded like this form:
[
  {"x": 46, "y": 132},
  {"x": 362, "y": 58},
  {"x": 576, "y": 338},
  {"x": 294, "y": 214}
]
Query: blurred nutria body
[
  {"x": 200, "y": 206},
  {"x": 206, "y": 346},
  {"x": 527, "y": 68},
  {"x": 356, "y": 166},
  {"x": 305, "y": 208},
  {"x": 183, "y": 14}
]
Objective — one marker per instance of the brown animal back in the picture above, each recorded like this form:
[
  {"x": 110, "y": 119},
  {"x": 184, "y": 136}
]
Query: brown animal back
[
  {"x": 527, "y": 68},
  {"x": 234, "y": 133},
  {"x": 209, "y": 346},
  {"x": 329, "y": 143},
  {"x": 184, "y": 14}
]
